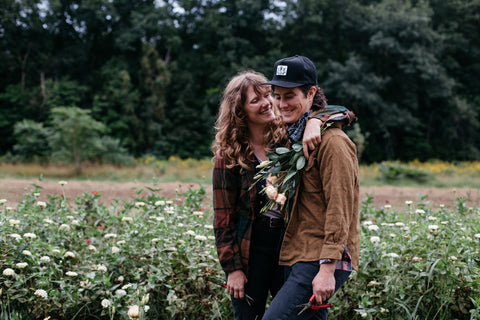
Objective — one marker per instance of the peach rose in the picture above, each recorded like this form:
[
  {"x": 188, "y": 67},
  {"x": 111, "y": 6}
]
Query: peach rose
[
  {"x": 271, "y": 192},
  {"x": 281, "y": 198}
]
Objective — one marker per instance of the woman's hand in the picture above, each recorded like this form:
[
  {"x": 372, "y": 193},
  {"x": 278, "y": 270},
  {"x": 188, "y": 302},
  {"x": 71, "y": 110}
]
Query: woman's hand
[
  {"x": 311, "y": 136},
  {"x": 236, "y": 284}
]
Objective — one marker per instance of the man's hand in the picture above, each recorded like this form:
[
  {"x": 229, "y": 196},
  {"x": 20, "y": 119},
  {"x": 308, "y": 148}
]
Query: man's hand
[
  {"x": 311, "y": 136},
  {"x": 236, "y": 284},
  {"x": 324, "y": 282}
]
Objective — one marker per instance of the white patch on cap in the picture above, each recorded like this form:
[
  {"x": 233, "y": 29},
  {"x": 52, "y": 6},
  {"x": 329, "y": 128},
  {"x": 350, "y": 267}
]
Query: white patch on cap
[{"x": 282, "y": 70}]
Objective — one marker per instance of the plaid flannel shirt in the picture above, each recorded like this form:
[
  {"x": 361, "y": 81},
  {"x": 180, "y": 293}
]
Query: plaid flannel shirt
[{"x": 234, "y": 207}]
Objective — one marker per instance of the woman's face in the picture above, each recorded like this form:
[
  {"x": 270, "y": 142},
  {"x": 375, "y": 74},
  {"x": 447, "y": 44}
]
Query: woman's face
[
  {"x": 292, "y": 103},
  {"x": 258, "y": 107}
]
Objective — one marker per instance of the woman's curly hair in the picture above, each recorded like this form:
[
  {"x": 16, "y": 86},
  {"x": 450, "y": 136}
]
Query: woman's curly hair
[{"x": 232, "y": 135}]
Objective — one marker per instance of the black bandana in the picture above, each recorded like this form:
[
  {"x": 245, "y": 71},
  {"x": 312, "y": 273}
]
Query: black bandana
[{"x": 295, "y": 131}]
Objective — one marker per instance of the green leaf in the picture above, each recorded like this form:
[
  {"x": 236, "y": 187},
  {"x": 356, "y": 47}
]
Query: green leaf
[
  {"x": 301, "y": 163},
  {"x": 290, "y": 174},
  {"x": 293, "y": 160},
  {"x": 272, "y": 156},
  {"x": 298, "y": 146},
  {"x": 282, "y": 150}
]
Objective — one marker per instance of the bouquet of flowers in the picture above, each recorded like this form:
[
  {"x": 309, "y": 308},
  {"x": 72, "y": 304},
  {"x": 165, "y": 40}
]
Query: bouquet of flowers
[{"x": 282, "y": 173}]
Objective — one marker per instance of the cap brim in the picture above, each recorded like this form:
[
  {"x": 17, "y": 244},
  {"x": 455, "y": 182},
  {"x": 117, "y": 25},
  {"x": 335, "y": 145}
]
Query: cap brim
[{"x": 284, "y": 84}]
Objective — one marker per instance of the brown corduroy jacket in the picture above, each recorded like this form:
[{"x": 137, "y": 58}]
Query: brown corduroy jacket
[{"x": 324, "y": 216}]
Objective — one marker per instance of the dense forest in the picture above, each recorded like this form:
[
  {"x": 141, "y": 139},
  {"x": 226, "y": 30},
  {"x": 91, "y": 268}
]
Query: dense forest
[{"x": 145, "y": 77}]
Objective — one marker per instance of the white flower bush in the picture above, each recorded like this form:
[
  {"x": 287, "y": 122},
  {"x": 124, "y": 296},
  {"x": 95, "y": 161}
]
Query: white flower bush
[
  {"x": 69, "y": 254},
  {"x": 41, "y": 293},
  {"x": 409, "y": 251},
  {"x": 30, "y": 235},
  {"x": 9, "y": 272},
  {"x": 45, "y": 259},
  {"x": 163, "y": 260},
  {"x": 106, "y": 303},
  {"x": 15, "y": 236}
]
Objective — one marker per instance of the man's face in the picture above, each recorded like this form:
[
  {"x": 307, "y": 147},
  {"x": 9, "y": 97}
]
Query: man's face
[{"x": 292, "y": 103}]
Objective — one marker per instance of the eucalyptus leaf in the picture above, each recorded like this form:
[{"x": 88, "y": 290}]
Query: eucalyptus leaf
[
  {"x": 300, "y": 162},
  {"x": 298, "y": 146},
  {"x": 294, "y": 159},
  {"x": 290, "y": 174},
  {"x": 282, "y": 150},
  {"x": 275, "y": 170}
]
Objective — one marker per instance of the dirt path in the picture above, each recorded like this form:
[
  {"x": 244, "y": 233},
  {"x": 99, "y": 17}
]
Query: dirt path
[{"x": 14, "y": 189}]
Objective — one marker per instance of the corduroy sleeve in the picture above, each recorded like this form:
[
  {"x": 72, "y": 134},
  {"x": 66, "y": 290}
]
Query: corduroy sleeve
[{"x": 338, "y": 176}]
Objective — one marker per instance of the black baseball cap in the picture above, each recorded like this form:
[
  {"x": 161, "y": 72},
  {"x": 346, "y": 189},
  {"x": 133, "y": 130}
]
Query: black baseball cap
[{"x": 293, "y": 72}]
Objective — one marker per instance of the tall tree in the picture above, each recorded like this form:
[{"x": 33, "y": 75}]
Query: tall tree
[{"x": 401, "y": 48}]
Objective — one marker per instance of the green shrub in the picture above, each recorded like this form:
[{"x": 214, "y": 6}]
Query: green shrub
[
  {"x": 391, "y": 171},
  {"x": 420, "y": 263},
  {"x": 148, "y": 252},
  {"x": 94, "y": 261}
]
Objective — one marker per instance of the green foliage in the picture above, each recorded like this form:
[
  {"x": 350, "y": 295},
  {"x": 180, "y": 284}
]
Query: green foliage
[
  {"x": 394, "y": 170},
  {"x": 64, "y": 92},
  {"x": 31, "y": 143},
  {"x": 416, "y": 262},
  {"x": 12, "y": 99},
  {"x": 153, "y": 71},
  {"x": 108, "y": 150},
  {"x": 76, "y": 135},
  {"x": 359, "y": 137},
  {"x": 117, "y": 258}
]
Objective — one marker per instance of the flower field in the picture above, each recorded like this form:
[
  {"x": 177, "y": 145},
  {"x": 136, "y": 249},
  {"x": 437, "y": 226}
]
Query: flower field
[{"x": 154, "y": 258}]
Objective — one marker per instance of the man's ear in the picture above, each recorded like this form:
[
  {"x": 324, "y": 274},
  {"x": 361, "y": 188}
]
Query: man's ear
[{"x": 311, "y": 93}]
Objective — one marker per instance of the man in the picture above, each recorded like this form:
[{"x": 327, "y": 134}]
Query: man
[{"x": 322, "y": 240}]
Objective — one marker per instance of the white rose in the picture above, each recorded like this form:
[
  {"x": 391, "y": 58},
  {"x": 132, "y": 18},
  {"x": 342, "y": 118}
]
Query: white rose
[
  {"x": 106, "y": 303},
  {"x": 134, "y": 311}
]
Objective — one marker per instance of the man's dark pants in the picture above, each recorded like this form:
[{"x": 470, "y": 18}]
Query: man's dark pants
[{"x": 297, "y": 290}]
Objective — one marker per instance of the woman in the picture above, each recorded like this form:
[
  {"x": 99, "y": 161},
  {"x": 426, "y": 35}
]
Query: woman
[{"x": 248, "y": 242}]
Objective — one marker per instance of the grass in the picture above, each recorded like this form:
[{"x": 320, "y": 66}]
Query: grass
[
  {"x": 440, "y": 174},
  {"x": 174, "y": 169}
]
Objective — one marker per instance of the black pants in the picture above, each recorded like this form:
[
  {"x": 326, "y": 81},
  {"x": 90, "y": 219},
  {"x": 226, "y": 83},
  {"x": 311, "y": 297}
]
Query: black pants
[{"x": 264, "y": 275}]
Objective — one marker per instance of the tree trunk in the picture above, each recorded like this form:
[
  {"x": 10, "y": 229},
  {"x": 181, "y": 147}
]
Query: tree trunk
[
  {"x": 42, "y": 88},
  {"x": 23, "y": 63}
]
